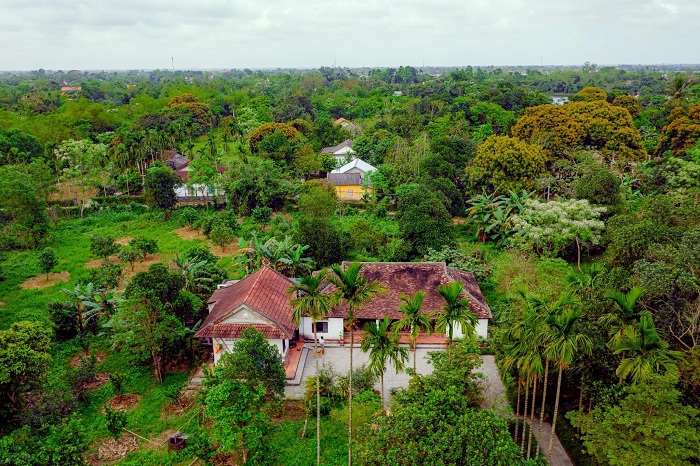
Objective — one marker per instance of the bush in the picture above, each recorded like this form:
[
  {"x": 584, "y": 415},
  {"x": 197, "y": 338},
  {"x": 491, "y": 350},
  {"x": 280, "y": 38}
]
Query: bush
[
  {"x": 262, "y": 214},
  {"x": 106, "y": 275},
  {"x": 118, "y": 381},
  {"x": 64, "y": 316},
  {"x": 116, "y": 421},
  {"x": 144, "y": 246},
  {"x": 190, "y": 216},
  {"x": 103, "y": 246}
]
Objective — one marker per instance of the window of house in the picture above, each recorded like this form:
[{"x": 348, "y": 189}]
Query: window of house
[
  {"x": 350, "y": 193},
  {"x": 321, "y": 327}
]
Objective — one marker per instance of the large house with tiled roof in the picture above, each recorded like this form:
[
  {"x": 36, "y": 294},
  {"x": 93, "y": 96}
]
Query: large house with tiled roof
[
  {"x": 406, "y": 278},
  {"x": 260, "y": 300}
]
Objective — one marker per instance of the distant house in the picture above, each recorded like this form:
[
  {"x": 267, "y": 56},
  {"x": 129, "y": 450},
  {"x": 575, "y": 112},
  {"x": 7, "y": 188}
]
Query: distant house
[
  {"x": 356, "y": 166},
  {"x": 260, "y": 300},
  {"x": 70, "y": 91},
  {"x": 341, "y": 152},
  {"x": 189, "y": 192},
  {"x": 347, "y": 125},
  {"x": 407, "y": 278},
  {"x": 349, "y": 186}
]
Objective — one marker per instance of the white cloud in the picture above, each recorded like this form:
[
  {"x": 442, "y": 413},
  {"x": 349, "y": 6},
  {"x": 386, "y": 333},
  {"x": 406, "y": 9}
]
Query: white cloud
[{"x": 309, "y": 33}]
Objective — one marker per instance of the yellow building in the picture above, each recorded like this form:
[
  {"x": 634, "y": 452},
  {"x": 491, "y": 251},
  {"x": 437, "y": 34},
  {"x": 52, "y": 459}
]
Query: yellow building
[{"x": 349, "y": 186}]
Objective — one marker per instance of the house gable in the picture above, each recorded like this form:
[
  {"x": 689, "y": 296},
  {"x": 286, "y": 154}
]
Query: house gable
[{"x": 244, "y": 314}]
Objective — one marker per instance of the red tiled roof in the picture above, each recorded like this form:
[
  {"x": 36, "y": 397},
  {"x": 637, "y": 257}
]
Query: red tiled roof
[
  {"x": 407, "y": 278},
  {"x": 264, "y": 291},
  {"x": 272, "y": 332}
]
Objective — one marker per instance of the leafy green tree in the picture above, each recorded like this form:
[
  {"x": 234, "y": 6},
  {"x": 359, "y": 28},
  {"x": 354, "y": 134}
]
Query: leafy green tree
[
  {"x": 129, "y": 254},
  {"x": 204, "y": 172},
  {"x": 24, "y": 359},
  {"x": 103, "y": 246},
  {"x": 424, "y": 222},
  {"x": 255, "y": 183},
  {"x": 241, "y": 423},
  {"x": 310, "y": 299},
  {"x": 413, "y": 319},
  {"x": 116, "y": 421},
  {"x": 257, "y": 362},
  {"x": 144, "y": 246},
  {"x": 649, "y": 424},
  {"x": 222, "y": 236},
  {"x": 82, "y": 159},
  {"x": 383, "y": 347},
  {"x": 356, "y": 291},
  {"x": 503, "y": 163},
  {"x": 548, "y": 227},
  {"x": 159, "y": 187},
  {"x": 46, "y": 261},
  {"x": 142, "y": 328},
  {"x": 21, "y": 199},
  {"x": 599, "y": 186}
]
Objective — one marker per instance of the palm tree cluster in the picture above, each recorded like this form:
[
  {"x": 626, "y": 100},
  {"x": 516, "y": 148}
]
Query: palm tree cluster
[
  {"x": 550, "y": 333},
  {"x": 380, "y": 339},
  {"x": 284, "y": 256}
]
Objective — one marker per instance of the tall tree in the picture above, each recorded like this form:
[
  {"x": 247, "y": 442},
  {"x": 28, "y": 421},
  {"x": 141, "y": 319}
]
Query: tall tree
[
  {"x": 455, "y": 311},
  {"x": 566, "y": 343},
  {"x": 356, "y": 291},
  {"x": 646, "y": 353},
  {"x": 383, "y": 347},
  {"x": 159, "y": 187},
  {"x": 413, "y": 319},
  {"x": 311, "y": 300}
]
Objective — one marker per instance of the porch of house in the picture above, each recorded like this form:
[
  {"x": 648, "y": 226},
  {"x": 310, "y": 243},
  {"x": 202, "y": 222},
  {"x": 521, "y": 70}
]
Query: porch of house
[{"x": 423, "y": 338}]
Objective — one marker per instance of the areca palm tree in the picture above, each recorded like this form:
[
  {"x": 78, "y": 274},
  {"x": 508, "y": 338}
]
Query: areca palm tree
[
  {"x": 647, "y": 353},
  {"x": 624, "y": 315},
  {"x": 566, "y": 342},
  {"x": 311, "y": 300},
  {"x": 455, "y": 311},
  {"x": 356, "y": 291},
  {"x": 413, "y": 319},
  {"x": 383, "y": 347}
]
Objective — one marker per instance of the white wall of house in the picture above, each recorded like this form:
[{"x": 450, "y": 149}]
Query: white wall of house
[
  {"x": 482, "y": 328},
  {"x": 224, "y": 345},
  {"x": 335, "y": 329}
]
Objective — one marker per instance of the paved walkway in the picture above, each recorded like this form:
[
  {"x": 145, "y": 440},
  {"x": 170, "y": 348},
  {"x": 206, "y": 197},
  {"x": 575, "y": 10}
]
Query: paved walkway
[
  {"x": 495, "y": 398},
  {"x": 338, "y": 358}
]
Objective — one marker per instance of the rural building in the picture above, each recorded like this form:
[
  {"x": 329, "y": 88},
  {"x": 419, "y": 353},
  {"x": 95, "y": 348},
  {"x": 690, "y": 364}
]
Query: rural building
[{"x": 190, "y": 191}]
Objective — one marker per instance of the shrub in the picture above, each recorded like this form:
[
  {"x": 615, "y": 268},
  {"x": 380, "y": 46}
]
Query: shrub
[
  {"x": 190, "y": 216},
  {"x": 262, "y": 214},
  {"x": 117, "y": 381},
  {"x": 102, "y": 246},
  {"x": 116, "y": 421},
  {"x": 64, "y": 316}
]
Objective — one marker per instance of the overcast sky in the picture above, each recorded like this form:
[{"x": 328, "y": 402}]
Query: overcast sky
[{"x": 145, "y": 34}]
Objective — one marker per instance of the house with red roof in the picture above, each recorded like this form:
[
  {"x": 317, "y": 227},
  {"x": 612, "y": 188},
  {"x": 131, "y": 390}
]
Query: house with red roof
[
  {"x": 260, "y": 300},
  {"x": 403, "y": 278}
]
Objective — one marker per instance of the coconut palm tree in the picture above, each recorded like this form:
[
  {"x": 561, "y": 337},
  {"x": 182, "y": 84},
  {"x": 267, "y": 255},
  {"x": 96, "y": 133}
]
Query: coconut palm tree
[
  {"x": 413, "y": 319},
  {"x": 356, "y": 291},
  {"x": 309, "y": 299},
  {"x": 455, "y": 311},
  {"x": 678, "y": 90},
  {"x": 647, "y": 353},
  {"x": 566, "y": 342},
  {"x": 383, "y": 347}
]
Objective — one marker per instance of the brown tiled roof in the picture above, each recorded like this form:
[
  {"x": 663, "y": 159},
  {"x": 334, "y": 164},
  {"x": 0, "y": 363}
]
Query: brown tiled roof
[
  {"x": 176, "y": 160},
  {"x": 345, "y": 179},
  {"x": 407, "y": 278},
  {"x": 331, "y": 150},
  {"x": 272, "y": 332},
  {"x": 264, "y": 291}
]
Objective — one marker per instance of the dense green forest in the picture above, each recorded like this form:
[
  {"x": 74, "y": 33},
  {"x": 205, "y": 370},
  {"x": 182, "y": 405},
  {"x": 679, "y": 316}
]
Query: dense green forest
[{"x": 580, "y": 221}]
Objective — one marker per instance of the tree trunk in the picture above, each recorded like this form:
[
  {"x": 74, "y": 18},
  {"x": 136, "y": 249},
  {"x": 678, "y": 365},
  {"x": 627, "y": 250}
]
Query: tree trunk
[
  {"x": 318, "y": 401},
  {"x": 517, "y": 411},
  {"x": 544, "y": 401},
  {"x": 414, "y": 355},
  {"x": 532, "y": 417},
  {"x": 554, "y": 416},
  {"x": 157, "y": 366},
  {"x": 527, "y": 396},
  {"x": 352, "y": 344},
  {"x": 578, "y": 250},
  {"x": 383, "y": 399}
]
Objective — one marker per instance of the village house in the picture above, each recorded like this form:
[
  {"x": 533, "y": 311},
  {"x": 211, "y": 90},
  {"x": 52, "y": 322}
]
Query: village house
[
  {"x": 350, "y": 180},
  {"x": 261, "y": 301},
  {"x": 189, "y": 191},
  {"x": 341, "y": 152}
]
